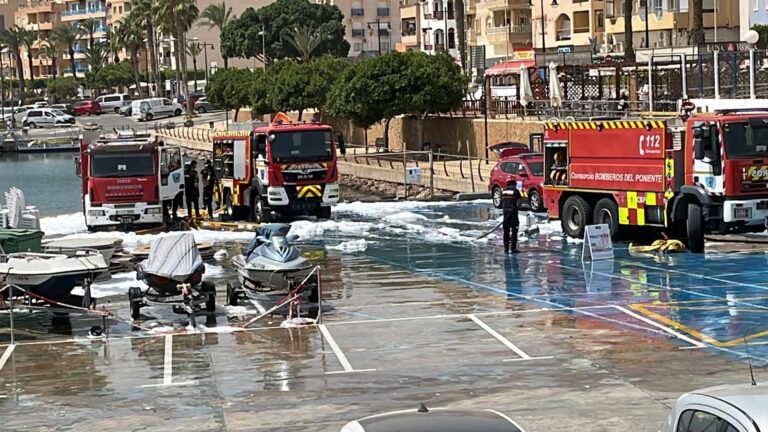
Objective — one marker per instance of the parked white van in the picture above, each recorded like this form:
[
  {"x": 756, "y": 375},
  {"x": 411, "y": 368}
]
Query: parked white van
[
  {"x": 113, "y": 102},
  {"x": 152, "y": 108}
]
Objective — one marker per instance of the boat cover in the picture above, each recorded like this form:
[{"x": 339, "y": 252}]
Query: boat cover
[{"x": 174, "y": 257}]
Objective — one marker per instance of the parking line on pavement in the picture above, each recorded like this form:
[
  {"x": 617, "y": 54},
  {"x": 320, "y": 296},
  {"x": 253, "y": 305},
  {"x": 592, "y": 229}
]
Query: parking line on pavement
[
  {"x": 669, "y": 330},
  {"x": 168, "y": 367},
  {"x": 339, "y": 353},
  {"x": 490, "y": 330},
  {"x": 6, "y": 355}
]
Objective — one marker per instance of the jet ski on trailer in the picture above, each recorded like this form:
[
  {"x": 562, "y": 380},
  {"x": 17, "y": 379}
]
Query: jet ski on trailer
[
  {"x": 173, "y": 273},
  {"x": 272, "y": 266}
]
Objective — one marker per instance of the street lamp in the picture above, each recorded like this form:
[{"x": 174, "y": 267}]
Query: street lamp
[
  {"x": 263, "y": 35},
  {"x": 543, "y": 29},
  {"x": 378, "y": 23},
  {"x": 205, "y": 53}
]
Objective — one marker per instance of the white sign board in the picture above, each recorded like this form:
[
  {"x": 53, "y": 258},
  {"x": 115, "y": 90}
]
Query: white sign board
[
  {"x": 597, "y": 243},
  {"x": 413, "y": 175}
]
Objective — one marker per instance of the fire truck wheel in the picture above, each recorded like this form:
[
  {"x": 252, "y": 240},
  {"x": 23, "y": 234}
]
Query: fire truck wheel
[
  {"x": 576, "y": 214},
  {"x": 607, "y": 212},
  {"x": 695, "y": 228},
  {"x": 259, "y": 212},
  {"x": 324, "y": 213},
  {"x": 496, "y": 196}
]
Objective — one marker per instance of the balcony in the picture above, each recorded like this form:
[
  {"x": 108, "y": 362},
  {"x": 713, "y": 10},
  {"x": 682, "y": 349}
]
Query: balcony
[
  {"x": 358, "y": 32},
  {"x": 358, "y": 12},
  {"x": 80, "y": 14},
  {"x": 471, "y": 6},
  {"x": 36, "y": 7},
  {"x": 505, "y": 33},
  {"x": 439, "y": 47},
  {"x": 427, "y": 47},
  {"x": 438, "y": 15},
  {"x": 410, "y": 40},
  {"x": 382, "y": 12},
  {"x": 563, "y": 35}
]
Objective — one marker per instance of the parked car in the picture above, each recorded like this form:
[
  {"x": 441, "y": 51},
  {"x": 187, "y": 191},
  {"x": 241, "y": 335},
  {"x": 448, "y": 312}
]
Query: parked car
[
  {"x": 19, "y": 113},
  {"x": 126, "y": 110},
  {"x": 509, "y": 148},
  {"x": 525, "y": 168},
  {"x": 152, "y": 108},
  {"x": 66, "y": 108},
  {"x": 729, "y": 408},
  {"x": 87, "y": 107},
  {"x": 202, "y": 106},
  {"x": 443, "y": 420},
  {"x": 42, "y": 117},
  {"x": 113, "y": 102}
]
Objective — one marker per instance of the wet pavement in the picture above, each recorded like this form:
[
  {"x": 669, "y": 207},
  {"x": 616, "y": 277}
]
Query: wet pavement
[{"x": 415, "y": 311}]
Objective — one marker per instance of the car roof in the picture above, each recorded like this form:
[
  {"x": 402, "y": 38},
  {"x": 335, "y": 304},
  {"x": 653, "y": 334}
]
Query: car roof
[
  {"x": 444, "y": 420},
  {"x": 749, "y": 399}
]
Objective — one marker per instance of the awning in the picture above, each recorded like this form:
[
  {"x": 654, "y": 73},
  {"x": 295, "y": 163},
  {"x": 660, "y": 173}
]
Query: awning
[{"x": 510, "y": 67}]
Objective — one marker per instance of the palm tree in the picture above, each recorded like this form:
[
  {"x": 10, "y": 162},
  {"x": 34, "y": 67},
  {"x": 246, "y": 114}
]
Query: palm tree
[
  {"x": 11, "y": 39},
  {"x": 28, "y": 38},
  {"x": 51, "y": 43},
  {"x": 95, "y": 57},
  {"x": 629, "y": 49},
  {"x": 217, "y": 16},
  {"x": 194, "y": 50},
  {"x": 697, "y": 25},
  {"x": 143, "y": 14},
  {"x": 88, "y": 27},
  {"x": 305, "y": 41},
  {"x": 129, "y": 35},
  {"x": 176, "y": 17},
  {"x": 68, "y": 35},
  {"x": 114, "y": 45}
]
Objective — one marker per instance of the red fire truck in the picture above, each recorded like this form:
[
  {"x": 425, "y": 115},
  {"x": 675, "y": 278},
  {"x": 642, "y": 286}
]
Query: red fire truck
[
  {"x": 282, "y": 169},
  {"x": 125, "y": 179},
  {"x": 707, "y": 175}
]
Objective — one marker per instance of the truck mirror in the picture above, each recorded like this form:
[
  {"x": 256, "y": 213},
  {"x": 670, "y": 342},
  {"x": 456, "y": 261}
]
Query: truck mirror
[
  {"x": 78, "y": 168},
  {"x": 342, "y": 145},
  {"x": 698, "y": 148}
]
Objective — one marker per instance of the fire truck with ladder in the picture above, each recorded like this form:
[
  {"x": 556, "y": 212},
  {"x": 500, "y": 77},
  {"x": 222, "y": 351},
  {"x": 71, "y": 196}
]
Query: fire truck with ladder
[
  {"x": 281, "y": 169},
  {"x": 126, "y": 177},
  {"x": 706, "y": 175}
]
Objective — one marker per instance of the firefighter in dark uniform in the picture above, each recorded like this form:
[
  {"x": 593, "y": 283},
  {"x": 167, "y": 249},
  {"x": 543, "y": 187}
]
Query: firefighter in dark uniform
[
  {"x": 510, "y": 196},
  {"x": 209, "y": 183},
  {"x": 192, "y": 188}
]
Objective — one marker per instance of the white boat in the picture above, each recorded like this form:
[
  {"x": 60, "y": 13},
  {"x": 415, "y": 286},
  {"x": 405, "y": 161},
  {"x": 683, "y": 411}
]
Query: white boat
[
  {"x": 51, "y": 276},
  {"x": 47, "y": 146},
  {"x": 70, "y": 245}
]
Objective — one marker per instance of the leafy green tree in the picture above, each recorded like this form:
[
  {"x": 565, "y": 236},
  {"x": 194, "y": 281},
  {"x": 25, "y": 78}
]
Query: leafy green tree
[
  {"x": 305, "y": 41},
  {"x": 762, "y": 30},
  {"x": 395, "y": 84},
  {"x": 217, "y": 16},
  {"x": 115, "y": 75},
  {"x": 63, "y": 88},
  {"x": 323, "y": 73},
  {"x": 230, "y": 89},
  {"x": 242, "y": 38}
]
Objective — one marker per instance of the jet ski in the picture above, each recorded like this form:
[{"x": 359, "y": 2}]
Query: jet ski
[{"x": 271, "y": 262}]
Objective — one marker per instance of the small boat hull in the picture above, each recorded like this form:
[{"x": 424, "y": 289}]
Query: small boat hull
[{"x": 260, "y": 277}]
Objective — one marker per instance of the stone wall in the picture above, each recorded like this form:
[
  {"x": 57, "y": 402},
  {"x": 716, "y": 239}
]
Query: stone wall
[{"x": 450, "y": 132}]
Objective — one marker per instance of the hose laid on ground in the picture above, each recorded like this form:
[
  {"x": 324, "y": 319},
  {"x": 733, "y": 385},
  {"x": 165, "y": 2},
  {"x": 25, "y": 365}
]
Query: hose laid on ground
[{"x": 664, "y": 246}]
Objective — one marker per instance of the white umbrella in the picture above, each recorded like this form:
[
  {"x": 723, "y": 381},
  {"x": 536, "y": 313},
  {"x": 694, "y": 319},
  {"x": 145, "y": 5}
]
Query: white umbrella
[
  {"x": 555, "y": 91},
  {"x": 526, "y": 94}
]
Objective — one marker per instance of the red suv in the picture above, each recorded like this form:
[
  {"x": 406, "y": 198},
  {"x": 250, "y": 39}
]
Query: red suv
[
  {"x": 86, "y": 107},
  {"x": 525, "y": 168}
]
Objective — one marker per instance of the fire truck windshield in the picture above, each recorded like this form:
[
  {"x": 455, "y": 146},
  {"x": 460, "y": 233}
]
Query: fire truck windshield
[
  {"x": 301, "y": 145},
  {"x": 737, "y": 143},
  {"x": 122, "y": 165}
]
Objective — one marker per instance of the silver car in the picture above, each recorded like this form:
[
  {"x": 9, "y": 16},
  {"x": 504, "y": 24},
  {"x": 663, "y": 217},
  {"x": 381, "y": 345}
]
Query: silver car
[{"x": 728, "y": 408}]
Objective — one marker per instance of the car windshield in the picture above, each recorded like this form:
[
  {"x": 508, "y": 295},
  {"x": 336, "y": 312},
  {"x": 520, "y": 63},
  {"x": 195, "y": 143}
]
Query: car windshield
[
  {"x": 537, "y": 168},
  {"x": 736, "y": 142},
  {"x": 301, "y": 145},
  {"x": 59, "y": 113},
  {"x": 122, "y": 165}
]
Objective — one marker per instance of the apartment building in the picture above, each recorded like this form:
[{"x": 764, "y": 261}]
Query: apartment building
[
  {"x": 668, "y": 23},
  {"x": 372, "y": 26},
  {"x": 567, "y": 26},
  {"x": 502, "y": 27},
  {"x": 40, "y": 17}
]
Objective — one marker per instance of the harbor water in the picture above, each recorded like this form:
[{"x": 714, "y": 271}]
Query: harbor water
[{"x": 48, "y": 180}]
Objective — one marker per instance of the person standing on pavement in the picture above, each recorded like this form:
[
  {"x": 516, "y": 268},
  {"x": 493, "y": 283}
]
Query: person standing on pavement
[
  {"x": 192, "y": 186},
  {"x": 510, "y": 196},
  {"x": 209, "y": 182}
]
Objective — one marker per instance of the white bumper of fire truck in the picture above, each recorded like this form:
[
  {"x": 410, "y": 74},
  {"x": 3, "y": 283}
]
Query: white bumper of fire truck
[
  {"x": 113, "y": 215},
  {"x": 277, "y": 196},
  {"x": 751, "y": 212}
]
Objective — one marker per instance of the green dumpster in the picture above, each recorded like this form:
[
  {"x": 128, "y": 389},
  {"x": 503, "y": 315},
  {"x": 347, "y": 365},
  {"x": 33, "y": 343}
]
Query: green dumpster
[{"x": 20, "y": 240}]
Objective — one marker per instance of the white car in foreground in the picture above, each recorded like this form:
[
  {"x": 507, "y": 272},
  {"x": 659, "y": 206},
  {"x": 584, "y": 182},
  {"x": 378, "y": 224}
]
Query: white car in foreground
[
  {"x": 729, "y": 408},
  {"x": 437, "y": 420}
]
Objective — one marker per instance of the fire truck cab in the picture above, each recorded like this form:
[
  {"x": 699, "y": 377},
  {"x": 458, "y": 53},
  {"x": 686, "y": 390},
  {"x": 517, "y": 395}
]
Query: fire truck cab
[
  {"x": 278, "y": 170},
  {"x": 707, "y": 174},
  {"x": 126, "y": 178}
]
